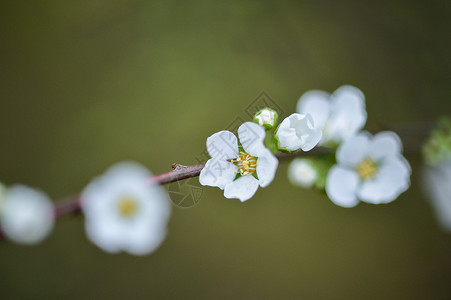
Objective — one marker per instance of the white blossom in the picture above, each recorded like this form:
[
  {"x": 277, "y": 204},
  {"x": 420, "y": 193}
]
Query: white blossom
[
  {"x": 124, "y": 211},
  {"x": 368, "y": 168},
  {"x": 27, "y": 215},
  {"x": 266, "y": 117},
  {"x": 301, "y": 172},
  {"x": 437, "y": 185},
  {"x": 340, "y": 115},
  {"x": 297, "y": 132},
  {"x": 239, "y": 173}
]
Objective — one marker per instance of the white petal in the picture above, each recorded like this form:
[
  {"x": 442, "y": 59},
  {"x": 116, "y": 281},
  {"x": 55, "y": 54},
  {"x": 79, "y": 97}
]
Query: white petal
[
  {"x": 341, "y": 186},
  {"x": 317, "y": 104},
  {"x": 438, "y": 188},
  {"x": 266, "y": 168},
  {"x": 392, "y": 178},
  {"x": 223, "y": 145},
  {"x": 312, "y": 136},
  {"x": 348, "y": 114},
  {"x": 385, "y": 144},
  {"x": 105, "y": 234},
  {"x": 217, "y": 173},
  {"x": 252, "y": 137},
  {"x": 352, "y": 151},
  {"x": 146, "y": 237},
  {"x": 243, "y": 188}
]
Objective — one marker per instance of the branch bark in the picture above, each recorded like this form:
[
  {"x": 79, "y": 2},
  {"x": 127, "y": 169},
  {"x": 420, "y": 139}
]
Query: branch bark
[{"x": 179, "y": 172}]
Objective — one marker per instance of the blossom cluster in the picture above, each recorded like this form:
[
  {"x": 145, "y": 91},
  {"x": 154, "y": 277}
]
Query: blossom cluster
[
  {"x": 126, "y": 210},
  {"x": 365, "y": 168}
]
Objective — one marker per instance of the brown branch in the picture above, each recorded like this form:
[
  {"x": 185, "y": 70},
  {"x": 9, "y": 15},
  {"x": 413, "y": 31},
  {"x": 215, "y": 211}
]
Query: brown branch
[{"x": 179, "y": 172}]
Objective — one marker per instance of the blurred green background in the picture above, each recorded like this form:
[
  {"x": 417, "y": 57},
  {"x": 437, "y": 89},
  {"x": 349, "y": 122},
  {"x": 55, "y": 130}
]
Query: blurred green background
[{"x": 85, "y": 84}]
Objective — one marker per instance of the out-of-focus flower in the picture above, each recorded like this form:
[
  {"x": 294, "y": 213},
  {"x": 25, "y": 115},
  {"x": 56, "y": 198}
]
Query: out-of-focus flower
[
  {"x": 437, "y": 171},
  {"x": 297, "y": 132},
  {"x": 239, "y": 171},
  {"x": 437, "y": 185},
  {"x": 437, "y": 148},
  {"x": 302, "y": 172},
  {"x": 124, "y": 211},
  {"x": 27, "y": 215},
  {"x": 371, "y": 169},
  {"x": 340, "y": 115},
  {"x": 267, "y": 118}
]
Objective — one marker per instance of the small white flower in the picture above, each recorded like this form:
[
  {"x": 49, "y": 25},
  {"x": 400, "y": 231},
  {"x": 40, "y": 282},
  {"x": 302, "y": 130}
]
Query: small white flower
[
  {"x": 27, "y": 215},
  {"x": 124, "y": 211},
  {"x": 368, "y": 168},
  {"x": 239, "y": 173},
  {"x": 297, "y": 132},
  {"x": 340, "y": 115},
  {"x": 302, "y": 173},
  {"x": 437, "y": 185},
  {"x": 266, "y": 117}
]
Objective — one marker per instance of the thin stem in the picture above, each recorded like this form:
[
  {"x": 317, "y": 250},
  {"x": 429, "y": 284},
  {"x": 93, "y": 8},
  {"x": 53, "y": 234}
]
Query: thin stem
[{"x": 179, "y": 172}]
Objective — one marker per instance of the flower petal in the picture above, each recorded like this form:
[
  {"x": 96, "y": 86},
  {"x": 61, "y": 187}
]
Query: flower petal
[
  {"x": 392, "y": 178},
  {"x": 352, "y": 151},
  {"x": 436, "y": 184},
  {"x": 385, "y": 144},
  {"x": 348, "y": 114},
  {"x": 223, "y": 145},
  {"x": 317, "y": 104},
  {"x": 341, "y": 186},
  {"x": 251, "y": 137},
  {"x": 217, "y": 173},
  {"x": 145, "y": 238},
  {"x": 243, "y": 188},
  {"x": 266, "y": 168}
]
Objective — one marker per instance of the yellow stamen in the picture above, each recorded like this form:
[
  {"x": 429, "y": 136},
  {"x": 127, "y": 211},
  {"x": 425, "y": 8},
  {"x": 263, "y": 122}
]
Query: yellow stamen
[
  {"x": 246, "y": 163},
  {"x": 366, "y": 169},
  {"x": 127, "y": 206}
]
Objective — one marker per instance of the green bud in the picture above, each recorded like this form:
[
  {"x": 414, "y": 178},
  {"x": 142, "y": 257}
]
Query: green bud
[
  {"x": 266, "y": 117},
  {"x": 438, "y": 146}
]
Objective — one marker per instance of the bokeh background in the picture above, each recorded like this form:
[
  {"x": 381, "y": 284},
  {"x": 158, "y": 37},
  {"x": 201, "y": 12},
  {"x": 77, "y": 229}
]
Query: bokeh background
[{"x": 85, "y": 84}]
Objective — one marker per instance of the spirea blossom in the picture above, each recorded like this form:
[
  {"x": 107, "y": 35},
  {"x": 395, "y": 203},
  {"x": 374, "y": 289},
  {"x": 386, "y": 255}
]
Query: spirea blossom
[
  {"x": 267, "y": 118},
  {"x": 302, "y": 172},
  {"x": 297, "y": 132},
  {"x": 370, "y": 169},
  {"x": 239, "y": 172},
  {"x": 437, "y": 184},
  {"x": 340, "y": 115},
  {"x": 124, "y": 211},
  {"x": 27, "y": 215}
]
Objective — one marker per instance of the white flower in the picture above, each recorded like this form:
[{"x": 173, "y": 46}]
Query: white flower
[
  {"x": 266, "y": 117},
  {"x": 297, "y": 132},
  {"x": 124, "y": 211},
  {"x": 239, "y": 173},
  {"x": 437, "y": 185},
  {"x": 371, "y": 169},
  {"x": 340, "y": 115},
  {"x": 302, "y": 173},
  {"x": 27, "y": 215}
]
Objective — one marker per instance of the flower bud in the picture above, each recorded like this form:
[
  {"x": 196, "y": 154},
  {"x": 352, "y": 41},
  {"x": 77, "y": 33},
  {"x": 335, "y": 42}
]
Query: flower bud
[
  {"x": 302, "y": 172},
  {"x": 266, "y": 117}
]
